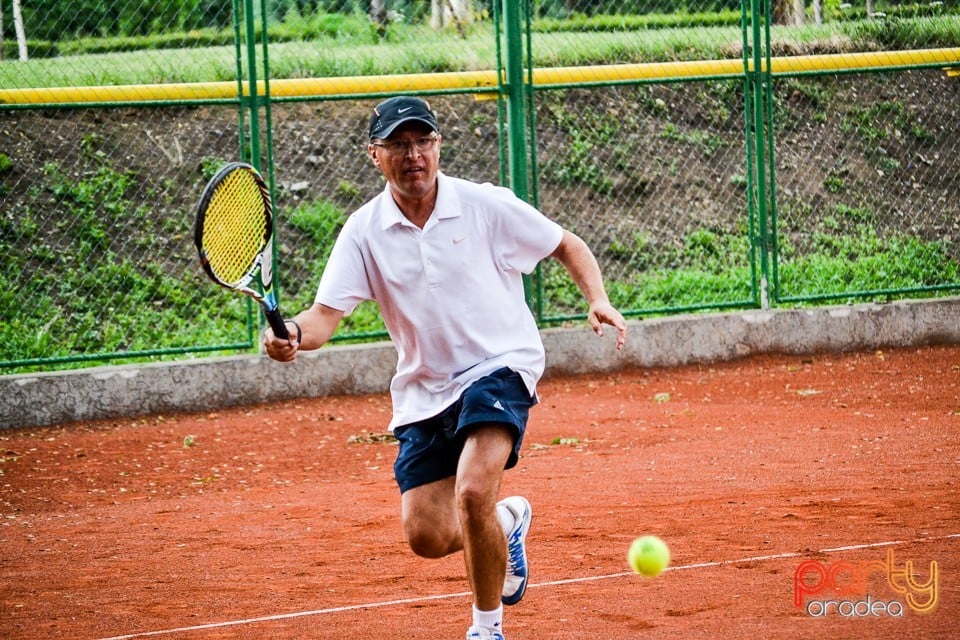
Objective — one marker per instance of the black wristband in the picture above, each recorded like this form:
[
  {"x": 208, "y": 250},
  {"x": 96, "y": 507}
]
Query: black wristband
[{"x": 299, "y": 332}]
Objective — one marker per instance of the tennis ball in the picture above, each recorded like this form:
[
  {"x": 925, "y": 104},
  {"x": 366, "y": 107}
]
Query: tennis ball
[{"x": 648, "y": 556}]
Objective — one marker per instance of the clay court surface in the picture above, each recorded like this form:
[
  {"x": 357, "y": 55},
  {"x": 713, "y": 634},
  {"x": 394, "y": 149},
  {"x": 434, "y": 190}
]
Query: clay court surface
[{"x": 281, "y": 522}]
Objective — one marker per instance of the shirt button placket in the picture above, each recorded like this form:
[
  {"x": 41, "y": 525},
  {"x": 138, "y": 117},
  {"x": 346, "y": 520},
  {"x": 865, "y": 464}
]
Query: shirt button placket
[{"x": 429, "y": 272}]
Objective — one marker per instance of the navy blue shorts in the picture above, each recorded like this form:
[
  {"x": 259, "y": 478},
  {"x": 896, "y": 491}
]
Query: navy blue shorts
[{"x": 430, "y": 449}]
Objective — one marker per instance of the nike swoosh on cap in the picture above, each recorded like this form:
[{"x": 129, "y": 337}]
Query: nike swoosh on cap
[{"x": 405, "y": 109}]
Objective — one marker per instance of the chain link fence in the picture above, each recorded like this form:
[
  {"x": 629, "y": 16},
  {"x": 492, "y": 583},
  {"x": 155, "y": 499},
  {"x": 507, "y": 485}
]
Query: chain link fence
[
  {"x": 867, "y": 180},
  {"x": 713, "y": 158},
  {"x": 653, "y": 177}
]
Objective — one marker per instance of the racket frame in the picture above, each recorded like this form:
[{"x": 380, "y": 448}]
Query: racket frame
[{"x": 262, "y": 265}]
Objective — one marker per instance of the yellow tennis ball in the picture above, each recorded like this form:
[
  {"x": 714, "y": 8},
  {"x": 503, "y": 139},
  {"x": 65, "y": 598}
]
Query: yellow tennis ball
[{"x": 648, "y": 556}]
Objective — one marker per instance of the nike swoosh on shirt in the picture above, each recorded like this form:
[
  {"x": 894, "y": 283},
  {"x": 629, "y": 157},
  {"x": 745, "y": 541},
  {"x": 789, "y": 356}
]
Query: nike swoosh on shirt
[{"x": 459, "y": 240}]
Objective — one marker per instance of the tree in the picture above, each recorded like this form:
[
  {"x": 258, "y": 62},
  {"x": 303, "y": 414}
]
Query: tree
[
  {"x": 798, "y": 13},
  {"x": 787, "y": 12},
  {"x": 18, "y": 27},
  {"x": 443, "y": 12},
  {"x": 378, "y": 15}
]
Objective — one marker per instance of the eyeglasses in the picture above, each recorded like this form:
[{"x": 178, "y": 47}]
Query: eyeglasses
[{"x": 398, "y": 148}]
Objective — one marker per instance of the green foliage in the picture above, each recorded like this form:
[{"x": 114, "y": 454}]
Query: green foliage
[
  {"x": 627, "y": 22},
  {"x": 99, "y": 296},
  {"x": 898, "y": 30},
  {"x": 348, "y": 190},
  {"x": 35, "y": 49},
  {"x": 923, "y": 134},
  {"x": 209, "y": 166},
  {"x": 710, "y": 267},
  {"x": 320, "y": 221},
  {"x": 152, "y": 42},
  {"x": 708, "y": 143},
  {"x": 693, "y": 287},
  {"x": 638, "y": 254},
  {"x": 579, "y": 165},
  {"x": 856, "y": 214},
  {"x": 364, "y": 322},
  {"x": 875, "y": 122},
  {"x": 713, "y": 267},
  {"x": 793, "y": 92},
  {"x": 739, "y": 180},
  {"x": 67, "y": 19},
  {"x": 320, "y": 25},
  {"x": 341, "y": 44},
  {"x": 92, "y": 291},
  {"x": 579, "y": 162},
  {"x": 140, "y": 33},
  {"x": 835, "y": 183},
  {"x": 866, "y": 261}
]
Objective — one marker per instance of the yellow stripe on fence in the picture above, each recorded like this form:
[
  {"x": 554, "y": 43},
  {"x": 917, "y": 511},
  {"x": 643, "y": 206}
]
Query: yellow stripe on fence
[{"x": 482, "y": 80}]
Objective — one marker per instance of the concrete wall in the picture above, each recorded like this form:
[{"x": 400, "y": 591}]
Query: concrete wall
[{"x": 202, "y": 385}]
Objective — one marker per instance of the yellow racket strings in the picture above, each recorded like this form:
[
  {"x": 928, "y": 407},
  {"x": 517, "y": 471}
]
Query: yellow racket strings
[{"x": 235, "y": 227}]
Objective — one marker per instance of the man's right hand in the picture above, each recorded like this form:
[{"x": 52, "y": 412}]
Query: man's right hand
[{"x": 282, "y": 350}]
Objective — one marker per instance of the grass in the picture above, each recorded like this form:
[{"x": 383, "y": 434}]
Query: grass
[
  {"x": 412, "y": 49},
  {"x": 866, "y": 261},
  {"x": 712, "y": 269}
]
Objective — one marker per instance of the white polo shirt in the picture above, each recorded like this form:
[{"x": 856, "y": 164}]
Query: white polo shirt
[{"x": 451, "y": 294}]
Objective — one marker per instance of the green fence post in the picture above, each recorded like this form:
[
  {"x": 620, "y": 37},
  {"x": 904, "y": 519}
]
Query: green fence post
[
  {"x": 758, "y": 145},
  {"x": 251, "y": 103},
  {"x": 516, "y": 100},
  {"x": 268, "y": 129},
  {"x": 770, "y": 187},
  {"x": 535, "y": 289},
  {"x": 243, "y": 135},
  {"x": 759, "y": 130},
  {"x": 250, "y": 100},
  {"x": 747, "y": 18},
  {"x": 517, "y": 142}
]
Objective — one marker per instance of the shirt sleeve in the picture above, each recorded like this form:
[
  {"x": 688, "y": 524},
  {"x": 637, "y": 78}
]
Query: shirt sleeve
[
  {"x": 344, "y": 283},
  {"x": 524, "y": 235}
]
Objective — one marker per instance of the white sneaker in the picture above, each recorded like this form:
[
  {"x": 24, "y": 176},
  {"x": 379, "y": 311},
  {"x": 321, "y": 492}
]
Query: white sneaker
[
  {"x": 480, "y": 633},
  {"x": 515, "y": 582}
]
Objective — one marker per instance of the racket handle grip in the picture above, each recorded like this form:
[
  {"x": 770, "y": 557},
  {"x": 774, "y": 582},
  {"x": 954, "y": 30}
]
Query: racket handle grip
[{"x": 277, "y": 324}]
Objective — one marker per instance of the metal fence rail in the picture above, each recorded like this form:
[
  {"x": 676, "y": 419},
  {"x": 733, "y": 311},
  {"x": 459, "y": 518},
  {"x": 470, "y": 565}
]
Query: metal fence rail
[{"x": 712, "y": 159}]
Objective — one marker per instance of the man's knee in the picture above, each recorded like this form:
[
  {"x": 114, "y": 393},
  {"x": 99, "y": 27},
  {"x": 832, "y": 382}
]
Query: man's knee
[
  {"x": 473, "y": 492},
  {"x": 428, "y": 541}
]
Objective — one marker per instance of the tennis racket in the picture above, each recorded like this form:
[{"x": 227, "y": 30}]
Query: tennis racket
[{"x": 234, "y": 235}]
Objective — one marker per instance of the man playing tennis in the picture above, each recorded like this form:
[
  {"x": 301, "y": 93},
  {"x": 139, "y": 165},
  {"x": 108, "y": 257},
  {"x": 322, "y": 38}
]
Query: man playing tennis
[{"x": 444, "y": 259}]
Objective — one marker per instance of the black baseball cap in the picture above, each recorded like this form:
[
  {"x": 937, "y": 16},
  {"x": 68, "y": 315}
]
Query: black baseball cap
[{"x": 391, "y": 113}]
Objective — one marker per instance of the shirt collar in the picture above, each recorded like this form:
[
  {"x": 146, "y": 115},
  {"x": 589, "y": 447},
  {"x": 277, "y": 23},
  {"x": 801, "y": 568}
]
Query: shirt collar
[{"x": 446, "y": 206}]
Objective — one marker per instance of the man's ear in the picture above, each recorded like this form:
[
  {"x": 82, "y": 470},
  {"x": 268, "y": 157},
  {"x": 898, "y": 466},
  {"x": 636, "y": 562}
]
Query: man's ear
[{"x": 372, "y": 152}]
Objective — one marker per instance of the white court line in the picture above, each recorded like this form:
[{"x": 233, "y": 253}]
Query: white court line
[{"x": 462, "y": 594}]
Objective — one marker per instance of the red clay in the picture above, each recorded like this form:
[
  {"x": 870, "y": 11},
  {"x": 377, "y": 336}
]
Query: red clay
[{"x": 281, "y": 521}]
